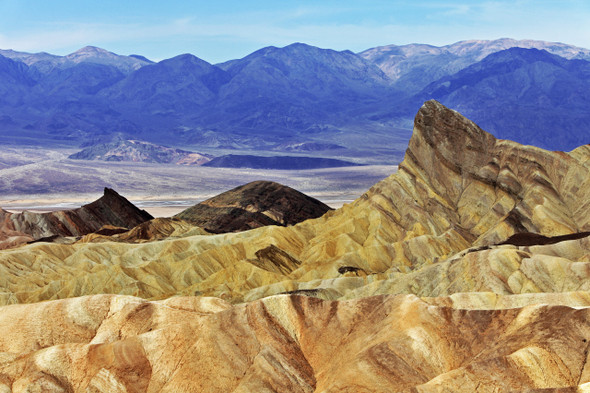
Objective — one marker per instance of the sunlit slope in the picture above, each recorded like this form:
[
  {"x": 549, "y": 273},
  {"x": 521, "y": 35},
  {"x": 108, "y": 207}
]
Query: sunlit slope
[
  {"x": 396, "y": 343},
  {"x": 457, "y": 192}
]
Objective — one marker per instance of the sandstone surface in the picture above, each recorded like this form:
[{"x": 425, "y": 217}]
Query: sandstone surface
[
  {"x": 458, "y": 192},
  {"x": 290, "y": 343},
  {"x": 468, "y": 270}
]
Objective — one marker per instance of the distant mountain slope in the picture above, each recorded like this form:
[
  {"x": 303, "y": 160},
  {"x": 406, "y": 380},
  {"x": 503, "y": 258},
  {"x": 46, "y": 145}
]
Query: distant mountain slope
[
  {"x": 45, "y": 62},
  {"x": 296, "y": 87},
  {"x": 527, "y": 95},
  {"x": 110, "y": 209},
  {"x": 174, "y": 86},
  {"x": 276, "y": 162},
  {"x": 414, "y": 66},
  {"x": 274, "y": 98},
  {"x": 15, "y": 82},
  {"x": 253, "y": 205},
  {"x": 138, "y": 151}
]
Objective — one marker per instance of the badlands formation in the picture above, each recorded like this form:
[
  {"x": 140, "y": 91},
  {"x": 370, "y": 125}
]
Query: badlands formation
[
  {"x": 111, "y": 209},
  {"x": 468, "y": 270}
]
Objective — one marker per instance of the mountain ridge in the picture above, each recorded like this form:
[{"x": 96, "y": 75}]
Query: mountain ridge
[{"x": 273, "y": 97}]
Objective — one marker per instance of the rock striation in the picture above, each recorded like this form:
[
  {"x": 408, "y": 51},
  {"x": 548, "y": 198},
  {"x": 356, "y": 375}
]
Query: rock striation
[
  {"x": 434, "y": 228},
  {"x": 254, "y": 205},
  {"x": 292, "y": 343},
  {"x": 468, "y": 270},
  {"x": 110, "y": 209}
]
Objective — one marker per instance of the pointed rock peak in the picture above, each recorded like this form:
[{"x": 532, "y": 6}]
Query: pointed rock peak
[
  {"x": 451, "y": 137},
  {"x": 114, "y": 205},
  {"x": 109, "y": 192},
  {"x": 441, "y": 124}
]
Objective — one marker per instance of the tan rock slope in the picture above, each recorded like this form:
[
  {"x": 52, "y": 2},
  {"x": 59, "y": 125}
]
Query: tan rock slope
[
  {"x": 493, "y": 237},
  {"x": 289, "y": 343},
  {"x": 458, "y": 190},
  {"x": 111, "y": 209}
]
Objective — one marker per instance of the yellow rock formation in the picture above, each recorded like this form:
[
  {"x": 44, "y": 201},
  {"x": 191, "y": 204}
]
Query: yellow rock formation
[
  {"x": 418, "y": 286},
  {"x": 418, "y": 231},
  {"x": 289, "y": 343}
]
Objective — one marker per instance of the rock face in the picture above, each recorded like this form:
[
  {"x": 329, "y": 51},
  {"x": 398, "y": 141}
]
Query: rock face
[
  {"x": 291, "y": 343},
  {"x": 111, "y": 209},
  {"x": 434, "y": 228},
  {"x": 253, "y": 205},
  {"x": 468, "y": 270}
]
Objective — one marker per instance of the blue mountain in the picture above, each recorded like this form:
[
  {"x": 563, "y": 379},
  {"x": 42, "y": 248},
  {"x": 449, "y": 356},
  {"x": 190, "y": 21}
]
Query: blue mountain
[
  {"x": 296, "y": 95},
  {"x": 527, "y": 95}
]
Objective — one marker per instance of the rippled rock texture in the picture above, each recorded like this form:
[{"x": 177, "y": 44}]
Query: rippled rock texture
[
  {"x": 468, "y": 270},
  {"x": 290, "y": 343},
  {"x": 433, "y": 228}
]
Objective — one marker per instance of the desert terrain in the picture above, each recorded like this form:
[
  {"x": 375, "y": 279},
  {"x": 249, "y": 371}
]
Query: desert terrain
[
  {"x": 467, "y": 270},
  {"x": 39, "y": 179}
]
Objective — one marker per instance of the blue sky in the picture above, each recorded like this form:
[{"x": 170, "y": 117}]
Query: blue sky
[{"x": 229, "y": 29}]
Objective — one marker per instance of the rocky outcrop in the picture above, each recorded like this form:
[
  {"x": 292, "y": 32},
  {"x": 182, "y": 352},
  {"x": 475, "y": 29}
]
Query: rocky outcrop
[
  {"x": 434, "y": 228},
  {"x": 466, "y": 271},
  {"x": 254, "y": 205},
  {"x": 110, "y": 209},
  {"x": 292, "y": 343}
]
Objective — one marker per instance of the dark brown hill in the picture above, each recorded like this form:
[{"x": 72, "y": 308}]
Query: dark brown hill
[
  {"x": 110, "y": 209},
  {"x": 254, "y": 205}
]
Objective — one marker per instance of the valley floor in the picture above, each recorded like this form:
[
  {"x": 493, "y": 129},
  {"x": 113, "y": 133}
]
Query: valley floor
[{"x": 43, "y": 180}]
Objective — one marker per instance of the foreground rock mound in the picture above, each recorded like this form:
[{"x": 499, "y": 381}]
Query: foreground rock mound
[
  {"x": 292, "y": 343},
  {"x": 254, "y": 205},
  {"x": 110, "y": 209}
]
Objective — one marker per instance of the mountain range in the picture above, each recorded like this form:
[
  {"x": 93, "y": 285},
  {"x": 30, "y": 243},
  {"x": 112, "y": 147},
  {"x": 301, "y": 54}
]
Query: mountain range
[{"x": 296, "y": 95}]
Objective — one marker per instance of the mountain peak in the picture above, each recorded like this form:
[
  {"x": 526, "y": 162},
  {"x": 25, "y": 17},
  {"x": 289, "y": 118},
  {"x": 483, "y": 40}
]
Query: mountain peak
[
  {"x": 450, "y": 132},
  {"x": 299, "y": 45},
  {"x": 93, "y": 51}
]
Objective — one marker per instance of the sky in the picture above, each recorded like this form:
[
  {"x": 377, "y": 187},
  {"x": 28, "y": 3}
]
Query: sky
[{"x": 222, "y": 30}]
